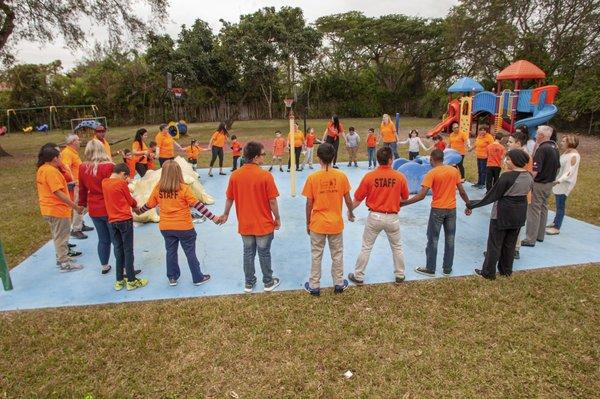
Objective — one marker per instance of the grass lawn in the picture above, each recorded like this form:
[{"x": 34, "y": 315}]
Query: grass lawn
[{"x": 533, "y": 335}]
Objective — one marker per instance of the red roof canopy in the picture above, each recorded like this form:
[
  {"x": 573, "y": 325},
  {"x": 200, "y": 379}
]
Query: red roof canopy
[{"x": 521, "y": 70}]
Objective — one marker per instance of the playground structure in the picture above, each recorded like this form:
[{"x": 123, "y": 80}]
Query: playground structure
[
  {"x": 45, "y": 119},
  {"x": 505, "y": 109}
]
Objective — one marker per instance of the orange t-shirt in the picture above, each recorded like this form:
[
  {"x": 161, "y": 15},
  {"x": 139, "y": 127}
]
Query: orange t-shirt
[
  {"x": 310, "y": 140},
  {"x": 106, "y": 146},
  {"x": 49, "y": 180},
  {"x": 442, "y": 180},
  {"x": 332, "y": 131},
  {"x": 251, "y": 188},
  {"x": 495, "y": 153},
  {"x": 192, "y": 152},
  {"x": 130, "y": 162},
  {"x": 278, "y": 146},
  {"x": 165, "y": 144},
  {"x": 236, "y": 148},
  {"x": 388, "y": 132},
  {"x": 372, "y": 140},
  {"x": 481, "y": 145},
  {"x": 135, "y": 147},
  {"x": 298, "y": 139},
  {"x": 174, "y": 208},
  {"x": 151, "y": 158},
  {"x": 458, "y": 142},
  {"x": 218, "y": 139},
  {"x": 118, "y": 199},
  {"x": 327, "y": 189},
  {"x": 383, "y": 188},
  {"x": 70, "y": 158}
]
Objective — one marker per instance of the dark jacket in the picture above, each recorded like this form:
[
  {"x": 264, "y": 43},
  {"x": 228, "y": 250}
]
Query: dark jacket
[{"x": 509, "y": 196}]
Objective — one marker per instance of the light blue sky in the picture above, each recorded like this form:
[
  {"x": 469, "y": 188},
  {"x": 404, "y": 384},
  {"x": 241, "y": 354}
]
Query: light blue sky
[{"x": 186, "y": 11}]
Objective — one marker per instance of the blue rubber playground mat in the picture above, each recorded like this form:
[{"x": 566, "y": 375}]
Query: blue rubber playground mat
[{"x": 38, "y": 284}]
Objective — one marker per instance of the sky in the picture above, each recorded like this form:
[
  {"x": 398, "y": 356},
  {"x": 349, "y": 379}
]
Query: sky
[{"x": 186, "y": 11}]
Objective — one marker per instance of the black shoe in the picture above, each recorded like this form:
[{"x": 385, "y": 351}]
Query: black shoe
[
  {"x": 355, "y": 280},
  {"x": 424, "y": 271},
  {"x": 335, "y": 167},
  {"x": 287, "y": 170},
  {"x": 87, "y": 228},
  {"x": 203, "y": 280},
  {"x": 271, "y": 169},
  {"x": 349, "y": 164},
  {"x": 312, "y": 291},
  {"x": 447, "y": 273},
  {"x": 517, "y": 255},
  {"x": 338, "y": 289},
  {"x": 527, "y": 244},
  {"x": 105, "y": 271},
  {"x": 74, "y": 254},
  {"x": 79, "y": 235},
  {"x": 281, "y": 170},
  {"x": 71, "y": 245},
  {"x": 137, "y": 271},
  {"x": 222, "y": 174},
  {"x": 400, "y": 280},
  {"x": 479, "y": 272},
  {"x": 538, "y": 240}
]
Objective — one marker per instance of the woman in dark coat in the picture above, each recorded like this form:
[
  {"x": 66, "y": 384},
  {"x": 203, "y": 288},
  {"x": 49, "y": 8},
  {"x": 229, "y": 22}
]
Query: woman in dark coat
[{"x": 509, "y": 196}]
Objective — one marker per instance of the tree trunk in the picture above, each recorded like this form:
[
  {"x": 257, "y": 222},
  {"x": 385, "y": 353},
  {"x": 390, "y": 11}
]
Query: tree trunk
[
  {"x": 8, "y": 25},
  {"x": 4, "y": 153},
  {"x": 268, "y": 99}
]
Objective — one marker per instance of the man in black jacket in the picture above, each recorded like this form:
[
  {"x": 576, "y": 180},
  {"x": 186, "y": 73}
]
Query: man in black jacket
[{"x": 546, "y": 163}]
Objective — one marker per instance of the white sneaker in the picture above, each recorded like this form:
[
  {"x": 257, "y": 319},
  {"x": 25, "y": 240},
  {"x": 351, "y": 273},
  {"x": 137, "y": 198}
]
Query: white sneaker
[
  {"x": 69, "y": 267},
  {"x": 275, "y": 284}
]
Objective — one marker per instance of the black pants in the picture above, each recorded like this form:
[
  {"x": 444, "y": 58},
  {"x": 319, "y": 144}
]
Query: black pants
[
  {"x": 122, "y": 239},
  {"x": 412, "y": 155},
  {"x": 217, "y": 152},
  {"x": 336, "y": 144},
  {"x": 163, "y": 160},
  {"x": 297, "y": 152},
  {"x": 492, "y": 174},
  {"x": 235, "y": 162},
  {"x": 461, "y": 167},
  {"x": 141, "y": 169},
  {"x": 500, "y": 250}
]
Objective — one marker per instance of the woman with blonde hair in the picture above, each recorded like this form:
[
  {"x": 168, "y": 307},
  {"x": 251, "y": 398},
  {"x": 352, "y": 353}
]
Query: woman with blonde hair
[
  {"x": 387, "y": 133},
  {"x": 175, "y": 199},
  {"x": 96, "y": 167},
  {"x": 566, "y": 180}
]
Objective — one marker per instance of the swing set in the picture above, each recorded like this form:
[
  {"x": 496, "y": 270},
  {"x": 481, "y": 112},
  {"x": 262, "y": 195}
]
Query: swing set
[{"x": 45, "y": 119}]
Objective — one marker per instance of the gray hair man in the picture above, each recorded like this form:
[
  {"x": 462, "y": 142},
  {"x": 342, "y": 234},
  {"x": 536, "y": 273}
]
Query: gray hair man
[{"x": 546, "y": 163}]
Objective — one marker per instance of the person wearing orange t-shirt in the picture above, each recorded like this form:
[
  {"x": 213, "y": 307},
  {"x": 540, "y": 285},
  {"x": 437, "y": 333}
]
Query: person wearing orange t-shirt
[
  {"x": 69, "y": 157},
  {"x": 332, "y": 134},
  {"x": 383, "y": 189},
  {"x": 460, "y": 142},
  {"x": 236, "y": 151},
  {"x": 310, "y": 141},
  {"x": 151, "y": 155},
  {"x": 371, "y": 147},
  {"x": 100, "y": 135},
  {"x": 388, "y": 134},
  {"x": 175, "y": 199},
  {"x": 438, "y": 142},
  {"x": 192, "y": 152},
  {"x": 140, "y": 152},
  {"x": 254, "y": 193},
  {"x": 325, "y": 191},
  {"x": 443, "y": 181},
  {"x": 482, "y": 141},
  {"x": 495, "y": 156},
  {"x": 128, "y": 159},
  {"x": 278, "y": 149},
  {"x": 56, "y": 204},
  {"x": 119, "y": 202},
  {"x": 216, "y": 145},
  {"x": 166, "y": 146}
]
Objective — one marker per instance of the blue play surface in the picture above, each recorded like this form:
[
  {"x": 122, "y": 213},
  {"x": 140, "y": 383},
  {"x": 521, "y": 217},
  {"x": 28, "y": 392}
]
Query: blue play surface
[{"x": 38, "y": 284}]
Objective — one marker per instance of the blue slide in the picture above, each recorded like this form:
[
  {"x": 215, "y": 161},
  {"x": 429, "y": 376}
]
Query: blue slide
[{"x": 540, "y": 116}]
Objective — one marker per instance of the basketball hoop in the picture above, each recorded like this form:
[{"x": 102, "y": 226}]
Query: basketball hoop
[
  {"x": 177, "y": 92},
  {"x": 288, "y": 102}
]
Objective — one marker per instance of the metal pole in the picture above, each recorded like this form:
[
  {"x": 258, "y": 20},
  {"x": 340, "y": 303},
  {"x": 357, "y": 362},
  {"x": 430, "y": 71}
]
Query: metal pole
[
  {"x": 292, "y": 154},
  {"x": 398, "y": 123}
]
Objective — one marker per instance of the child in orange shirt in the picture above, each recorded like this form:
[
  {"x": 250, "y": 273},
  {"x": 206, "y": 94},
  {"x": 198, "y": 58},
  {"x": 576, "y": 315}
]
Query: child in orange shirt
[
  {"x": 236, "y": 149},
  {"x": 175, "y": 199},
  {"x": 129, "y": 160},
  {"x": 151, "y": 154},
  {"x": 192, "y": 153},
  {"x": 118, "y": 201},
  {"x": 438, "y": 142},
  {"x": 278, "y": 149},
  {"x": 371, "y": 147},
  {"x": 310, "y": 141},
  {"x": 56, "y": 204},
  {"x": 495, "y": 154},
  {"x": 325, "y": 191}
]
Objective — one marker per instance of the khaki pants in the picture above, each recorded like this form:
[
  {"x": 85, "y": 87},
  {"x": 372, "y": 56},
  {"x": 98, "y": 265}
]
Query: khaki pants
[
  {"x": 336, "y": 247},
  {"x": 352, "y": 153},
  {"x": 376, "y": 222},
  {"x": 61, "y": 229},
  {"x": 77, "y": 223},
  {"x": 537, "y": 212}
]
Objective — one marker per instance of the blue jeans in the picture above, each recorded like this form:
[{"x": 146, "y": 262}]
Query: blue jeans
[
  {"x": 438, "y": 218},
  {"x": 561, "y": 203},
  {"x": 394, "y": 147},
  {"x": 262, "y": 244},
  {"x": 481, "y": 169},
  {"x": 371, "y": 153},
  {"x": 122, "y": 238},
  {"x": 187, "y": 239},
  {"x": 104, "y": 238}
]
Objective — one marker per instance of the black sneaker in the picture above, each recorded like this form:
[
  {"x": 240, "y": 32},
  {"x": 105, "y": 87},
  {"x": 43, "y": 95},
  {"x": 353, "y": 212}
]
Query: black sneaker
[
  {"x": 137, "y": 271},
  {"x": 74, "y": 254},
  {"x": 172, "y": 282},
  {"x": 335, "y": 167},
  {"x": 249, "y": 287},
  {"x": 479, "y": 272},
  {"x": 447, "y": 273},
  {"x": 538, "y": 240},
  {"x": 107, "y": 269},
  {"x": 517, "y": 255},
  {"x": 79, "y": 235},
  {"x": 312, "y": 291},
  {"x": 281, "y": 170},
  {"x": 355, "y": 165},
  {"x": 400, "y": 280},
  {"x": 273, "y": 285},
  {"x": 424, "y": 271},
  {"x": 527, "y": 244},
  {"x": 356, "y": 281},
  {"x": 349, "y": 164},
  {"x": 87, "y": 228},
  {"x": 271, "y": 169},
  {"x": 71, "y": 245},
  {"x": 338, "y": 289},
  {"x": 203, "y": 280}
]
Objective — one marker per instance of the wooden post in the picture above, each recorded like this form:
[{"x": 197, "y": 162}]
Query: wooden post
[{"x": 288, "y": 105}]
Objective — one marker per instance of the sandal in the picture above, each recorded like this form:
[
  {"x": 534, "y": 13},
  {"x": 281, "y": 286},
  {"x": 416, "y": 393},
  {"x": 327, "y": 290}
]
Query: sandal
[{"x": 106, "y": 270}]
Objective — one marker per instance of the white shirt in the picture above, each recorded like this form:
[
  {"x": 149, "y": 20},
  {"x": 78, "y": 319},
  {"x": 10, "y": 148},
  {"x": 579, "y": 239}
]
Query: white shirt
[
  {"x": 413, "y": 144},
  {"x": 567, "y": 174}
]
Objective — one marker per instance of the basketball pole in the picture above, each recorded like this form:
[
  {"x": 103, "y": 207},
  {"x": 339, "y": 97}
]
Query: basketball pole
[{"x": 292, "y": 153}]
